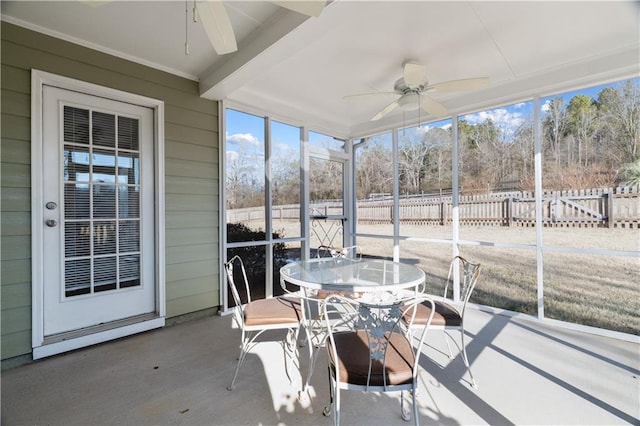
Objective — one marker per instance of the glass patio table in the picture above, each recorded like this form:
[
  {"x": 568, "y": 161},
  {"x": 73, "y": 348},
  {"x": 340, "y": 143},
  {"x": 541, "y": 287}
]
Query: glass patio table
[
  {"x": 369, "y": 278},
  {"x": 374, "y": 281}
]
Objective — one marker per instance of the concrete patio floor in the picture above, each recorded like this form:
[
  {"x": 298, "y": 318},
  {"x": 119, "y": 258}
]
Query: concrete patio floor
[{"x": 528, "y": 373}]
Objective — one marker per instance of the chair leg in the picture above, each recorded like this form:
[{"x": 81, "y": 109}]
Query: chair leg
[
  {"x": 446, "y": 340},
  {"x": 313, "y": 358},
  {"x": 403, "y": 412},
  {"x": 331, "y": 408},
  {"x": 243, "y": 353},
  {"x": 336, "y": 407},
  {"x": 466, "y": 360},
  {"x": 414, "y": 394}
]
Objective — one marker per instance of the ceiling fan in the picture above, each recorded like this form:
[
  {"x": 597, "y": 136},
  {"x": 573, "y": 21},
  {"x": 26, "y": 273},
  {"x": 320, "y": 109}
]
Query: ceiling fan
[
  {"x": 413, "y": 88},
  {"x": 217, "y": 24}
]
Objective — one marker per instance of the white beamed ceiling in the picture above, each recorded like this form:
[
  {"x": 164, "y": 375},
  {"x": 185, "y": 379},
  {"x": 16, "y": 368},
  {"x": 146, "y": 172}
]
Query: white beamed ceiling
[{"x": 298, "y": 69}]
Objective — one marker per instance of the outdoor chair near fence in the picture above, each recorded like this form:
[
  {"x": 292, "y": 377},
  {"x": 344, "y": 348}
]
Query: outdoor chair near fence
[
  {"x": 370, "y": 350},
  {"x": 447, "y": 315},
  {"x": 254, "y": 317}
]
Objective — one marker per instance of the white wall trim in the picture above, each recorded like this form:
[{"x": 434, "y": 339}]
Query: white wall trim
[{"x": 38, "y": 80}]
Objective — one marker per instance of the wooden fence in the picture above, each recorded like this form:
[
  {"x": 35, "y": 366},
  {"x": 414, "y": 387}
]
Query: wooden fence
[{"x": 600, "y": 207}]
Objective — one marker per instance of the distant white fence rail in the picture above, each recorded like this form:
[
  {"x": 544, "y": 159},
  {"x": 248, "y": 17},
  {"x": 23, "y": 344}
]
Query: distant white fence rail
[{"x": 600, "y": 207}]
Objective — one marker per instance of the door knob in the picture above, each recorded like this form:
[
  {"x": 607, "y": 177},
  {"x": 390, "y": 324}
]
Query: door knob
[{"x": 51, "y": 223}]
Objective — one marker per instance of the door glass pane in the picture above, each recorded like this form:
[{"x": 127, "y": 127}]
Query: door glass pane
[
  {"x": 103, "y": 129},
  {"x": 326, "y": 202},
  {"x": 76, "y": 125},
  {"x": 104, "y": 201},
  {"x": 76, "y": 201},
  {"x": 245, "y": 176},
  {"x": 101, "y": 248},
  {"x": 128, "y": 201},
  {"x": 128, "y": 185},
  {"x": 76, "y": 163},
  {"x": 104, "y": 237},
  {"x": 129, "y": 270},
  {"x": 129, "y": 236},
  {"x": 77, "y": 238},
  {"x": 128, "y": 133},
  {"x": 104, "y": 270},
  {"x": 77, "y": 277}
]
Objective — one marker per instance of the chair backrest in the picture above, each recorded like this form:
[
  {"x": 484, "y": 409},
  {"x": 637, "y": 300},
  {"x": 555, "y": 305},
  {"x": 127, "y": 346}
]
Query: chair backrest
[
  {"x": 229, "y": 267},
  {"x": 379, "y": 328},
  {"x": 468, "y": 274}
]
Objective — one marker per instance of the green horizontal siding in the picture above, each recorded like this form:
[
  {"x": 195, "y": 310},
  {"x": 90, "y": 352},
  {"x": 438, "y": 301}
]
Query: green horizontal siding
[
  {"x": 179, "y": 306},
  {"x": 185, "y": 237},
  {"x": 192, "y": 253},
  {"x": 197, "y": 219},
  {"x": 191, "y": 173},
  {"x": 15, "y": 151}
]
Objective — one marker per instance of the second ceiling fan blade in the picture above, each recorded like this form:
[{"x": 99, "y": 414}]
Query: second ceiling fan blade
[
  {"x": 464, "y": 85},
  {"x": 363, "y": 95},
  {"x": 384, "y": 111},
  {"x": 433, "y": 107},
  {"x": 217, "y": 25}
]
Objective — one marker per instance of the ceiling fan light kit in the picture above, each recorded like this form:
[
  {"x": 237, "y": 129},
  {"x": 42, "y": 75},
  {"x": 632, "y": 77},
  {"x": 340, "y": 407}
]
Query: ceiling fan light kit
[{"x": 409, "y": 101}]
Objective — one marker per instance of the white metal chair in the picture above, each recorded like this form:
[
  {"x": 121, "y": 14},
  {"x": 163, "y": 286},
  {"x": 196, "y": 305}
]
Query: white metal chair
[
  {"x": 254, "y": 317},
  {"x": 316, "y": 332},
  {"x": 370, "y": 350},
  {"x": 447, "y": 315}
]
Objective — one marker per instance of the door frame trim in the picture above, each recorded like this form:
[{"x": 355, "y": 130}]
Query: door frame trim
[{"x": 39, "y": 346}]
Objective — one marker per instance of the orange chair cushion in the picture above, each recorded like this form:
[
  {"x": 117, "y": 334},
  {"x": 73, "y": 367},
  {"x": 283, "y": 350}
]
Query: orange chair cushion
[
  {"x": 354, "y": 355},
  {"x": 271, "y": 311},
  {"x": 445, "y": 315}
]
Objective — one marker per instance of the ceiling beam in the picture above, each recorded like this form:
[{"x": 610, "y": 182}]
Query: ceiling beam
[{"x": 222, "y": 79}]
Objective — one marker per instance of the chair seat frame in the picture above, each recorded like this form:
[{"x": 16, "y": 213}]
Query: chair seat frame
[
  {"x": 469, "y": 274},
  {"x": 249, "y": 333}
]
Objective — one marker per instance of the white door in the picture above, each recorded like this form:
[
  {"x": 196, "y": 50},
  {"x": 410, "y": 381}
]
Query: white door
[{"x": 98, "y": 209}]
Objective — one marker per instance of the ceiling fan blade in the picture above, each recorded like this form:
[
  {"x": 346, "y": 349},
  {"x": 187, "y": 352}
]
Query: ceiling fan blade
[
  {"x": 363, "y": 95},
  {"x": 413, "y": 74},
  {"x": 308, "y": 7},
  {"x": 464, "y": 85},
  {"x": 384, "y": 111},
  {"x": 433, "y": 107},
  {"x": 217, "y": 25}
]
